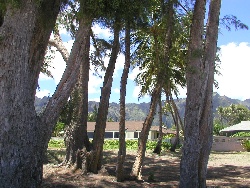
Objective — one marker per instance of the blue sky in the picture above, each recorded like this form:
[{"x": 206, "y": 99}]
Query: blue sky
[{"x": 234, "y": 55}]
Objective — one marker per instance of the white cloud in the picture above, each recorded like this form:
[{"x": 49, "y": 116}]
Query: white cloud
[
  {"x": 119, "y": 65},
  {"x": 101, "y": 32},
  {"x": 235, "y": 66},
  {"x": 116, "y": 90},
  {"x": 58, "y": 65},
  {"x": 134, "y": 73},
  {"x": 95, "y": 82},
  {"x": 42, "y": 93}
]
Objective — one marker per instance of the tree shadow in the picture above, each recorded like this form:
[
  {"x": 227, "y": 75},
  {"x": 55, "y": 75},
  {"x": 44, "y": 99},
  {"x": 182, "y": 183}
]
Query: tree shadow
[{"x": 229, "y": 175}]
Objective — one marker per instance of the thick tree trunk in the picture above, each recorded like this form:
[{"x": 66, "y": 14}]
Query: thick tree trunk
[
  {"x": 120, "y": 175},
  {"x": 24, "y": 136},
  {"x": 24, "y": 36},
  {"x": 159, "y": 139},
  {"x": 207, "y": 120},
  {"x": 136, "y": 170},
  {"x": 200, "y": 77},
  {"x": 100, "y": 126}
]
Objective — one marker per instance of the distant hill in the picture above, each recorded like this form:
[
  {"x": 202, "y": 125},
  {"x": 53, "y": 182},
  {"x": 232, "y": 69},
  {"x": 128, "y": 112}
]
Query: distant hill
[{"x": 138, "y": 112}]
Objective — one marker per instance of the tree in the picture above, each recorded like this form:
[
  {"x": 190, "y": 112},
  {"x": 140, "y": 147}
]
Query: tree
[
  {"x": 159, "y": 139},
  {"x": 155, "y": 68},
  {"x": 100, "y": 126},
  {"x": 122, "y": 143},
  {"x": 23, "y": 134},
  {"x": 200, "y": 78},
  {"x": 233, "y": 114}
]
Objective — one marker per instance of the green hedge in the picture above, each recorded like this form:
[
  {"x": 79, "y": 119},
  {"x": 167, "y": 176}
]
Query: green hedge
[
  {"x": 114, "y": 144},
  {"x": 241, "y": 134},
  {"x": 132, "y": 144},
  {"x": 246, "y": 144},
  {"x": 56, "y": 143}
]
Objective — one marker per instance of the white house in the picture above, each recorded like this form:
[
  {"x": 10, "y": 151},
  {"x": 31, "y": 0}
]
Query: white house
[{"x": 133, "y": 129}]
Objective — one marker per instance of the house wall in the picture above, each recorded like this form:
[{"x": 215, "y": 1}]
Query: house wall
[{"x": 128, "y": 135}]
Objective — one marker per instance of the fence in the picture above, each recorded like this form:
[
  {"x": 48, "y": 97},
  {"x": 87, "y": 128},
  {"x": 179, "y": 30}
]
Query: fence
[{"x": 223, "y": 143}]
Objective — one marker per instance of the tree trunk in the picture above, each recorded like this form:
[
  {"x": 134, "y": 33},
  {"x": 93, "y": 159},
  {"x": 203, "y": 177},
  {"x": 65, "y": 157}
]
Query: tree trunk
[
  {"x": 24, "y": 136},
  {"x": 76, "y": 137},
  {"x": 120, "y": 175},
  {"x": 100, "y": 126},
  {"x": 200, "y": 77},
  {"x": 159, "y": 139},
  {"x": 24, "y": 36},
  {"x": 136, "y": 170},
  {"x": 176, "y": 118}
]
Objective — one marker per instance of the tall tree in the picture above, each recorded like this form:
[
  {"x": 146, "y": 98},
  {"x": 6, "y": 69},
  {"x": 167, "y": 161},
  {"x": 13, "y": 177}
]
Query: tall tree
[
  {"x": 160, "y": 137},
  {"x": 76, "y": 137},
  {"x": 120, "y": 175},
  {"x": 23, "y": 44},
  {"x": 24, "y": 136},
  {"x": 158, "y": 62},
  {"x": 98, "y": 140},
  {"x": 200, "y": 77}
]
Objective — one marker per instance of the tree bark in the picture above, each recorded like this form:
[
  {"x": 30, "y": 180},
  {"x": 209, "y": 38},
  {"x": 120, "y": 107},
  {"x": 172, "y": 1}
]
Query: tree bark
[
  {"x": 120, "y": 175},
  {"x": 136, "y": 170},
  {"x": 100, "y": 126},
  {"x": 177, "y": 121},
  {"x": 76, "y": 137},
  {"x": 200, "y": 77},
  {"x": 23, "y": 135},
  {"x": 159, "y": 139},
  {"x": 24, "y": 35}
]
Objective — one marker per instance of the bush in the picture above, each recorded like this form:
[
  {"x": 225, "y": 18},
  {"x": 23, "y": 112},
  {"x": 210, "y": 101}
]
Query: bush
[
  {"x": 132, "y": 144},
  {"x": 56, "y": 143},
  {"x": 241, "y": 134},
  {"x": 246, "y": 144},
  {"x": 114, "y": 144},
  {"x": 217, "y": 127},
  {"x": 58, "y": 128}
]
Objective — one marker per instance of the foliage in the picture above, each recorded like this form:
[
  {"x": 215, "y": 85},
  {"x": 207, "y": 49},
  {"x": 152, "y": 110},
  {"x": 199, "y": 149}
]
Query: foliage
[
  {"x": 233, "y": 114},
  {"x": 246, "y": 144},
  {"x": 58, "y": 128},
  {"x": 56, "y": 143},
  {"x": 217, "y": 127},
  {"x": 132, "y": 144},
  {"x": 241, "y": 134}
]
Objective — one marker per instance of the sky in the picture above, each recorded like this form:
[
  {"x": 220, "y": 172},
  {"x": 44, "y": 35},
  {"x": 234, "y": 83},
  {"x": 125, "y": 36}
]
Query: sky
[{"x": 234, "y": 67}]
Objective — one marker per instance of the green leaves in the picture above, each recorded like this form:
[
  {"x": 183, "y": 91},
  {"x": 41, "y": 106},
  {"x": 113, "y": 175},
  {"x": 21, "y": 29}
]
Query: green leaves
[{"x": 233, "y": 114}]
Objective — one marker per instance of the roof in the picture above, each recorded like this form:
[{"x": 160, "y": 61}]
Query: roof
[
  {"x": 242, "y": 126},
  {"x": 129, "y": 125}
]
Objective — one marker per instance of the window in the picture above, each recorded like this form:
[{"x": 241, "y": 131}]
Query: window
[
  {"x": 90, "y": 134},
  {"x": 108, "y": 135},
  {"x": 116, "y": 134},
  {"x": 136, "y": 134}
]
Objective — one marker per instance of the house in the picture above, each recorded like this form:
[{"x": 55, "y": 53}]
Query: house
[
  {"x": 133, "y": 129},
  {"x": 243, "y": 126}
]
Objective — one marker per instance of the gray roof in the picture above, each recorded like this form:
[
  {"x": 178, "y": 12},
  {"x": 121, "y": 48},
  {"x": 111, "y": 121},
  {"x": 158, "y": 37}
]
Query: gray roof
[{"x": 242, "y": 126}]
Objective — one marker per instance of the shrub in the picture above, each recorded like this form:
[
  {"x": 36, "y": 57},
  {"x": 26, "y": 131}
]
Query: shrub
[
  {"x": 56, "y": 143},
  {"x": 246, "y": 144},
  {"x": 58, "y": 128},
  {"x": 241, "y": 134},
  {"x": 132, "y": 144}
]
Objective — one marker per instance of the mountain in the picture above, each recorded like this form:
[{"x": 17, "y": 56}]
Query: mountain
[{"x": 138, "y": 112}]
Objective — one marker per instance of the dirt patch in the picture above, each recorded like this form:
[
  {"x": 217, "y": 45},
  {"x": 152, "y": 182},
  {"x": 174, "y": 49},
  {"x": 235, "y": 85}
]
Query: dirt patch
[{"x": 224, "y": 170}]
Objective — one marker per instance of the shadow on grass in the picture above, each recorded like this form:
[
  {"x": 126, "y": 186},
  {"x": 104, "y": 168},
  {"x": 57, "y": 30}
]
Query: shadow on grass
[
  {"x": 54, "y": 156},
  {"x": 158, "y": 171}
]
